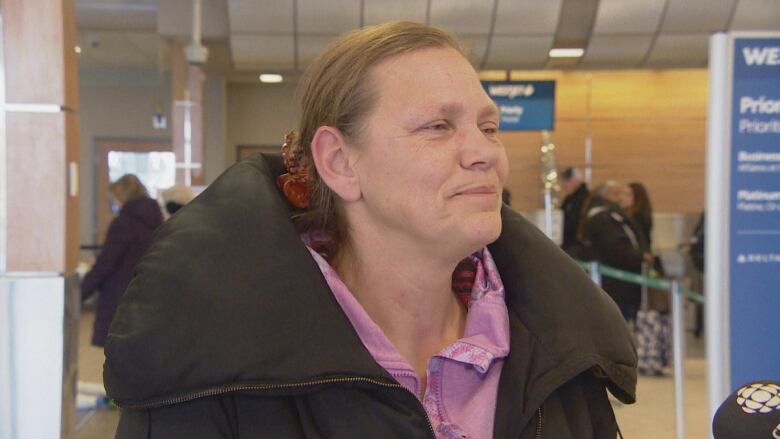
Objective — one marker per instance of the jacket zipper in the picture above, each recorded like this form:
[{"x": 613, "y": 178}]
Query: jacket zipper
[
  {"x": 270, "y": 387},
  {"x": 539, "y": 423}
]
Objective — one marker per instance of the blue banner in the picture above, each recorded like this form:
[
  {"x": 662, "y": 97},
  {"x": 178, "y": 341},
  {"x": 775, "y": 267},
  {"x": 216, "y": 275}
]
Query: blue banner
[
  {"x": 524, "y": 105},
  {"x": 754, "y": 260}
]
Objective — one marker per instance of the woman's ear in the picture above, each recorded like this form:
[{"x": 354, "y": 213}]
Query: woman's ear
[{"x": 331, "y": 155}]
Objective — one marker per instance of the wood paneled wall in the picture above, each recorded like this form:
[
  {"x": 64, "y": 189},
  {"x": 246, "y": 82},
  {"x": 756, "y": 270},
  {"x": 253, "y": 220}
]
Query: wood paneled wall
[
  {"x": 646, "y": 126},
  {"x": 40, "y": 62},
  {"x": 39, "y": 37}
]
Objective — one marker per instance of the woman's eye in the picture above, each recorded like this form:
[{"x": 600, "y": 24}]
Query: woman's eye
[
  {"x": 438, "y": 126},
  {"x": 490, "y": 129}
]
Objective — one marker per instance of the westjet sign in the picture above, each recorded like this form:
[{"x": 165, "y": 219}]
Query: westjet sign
[
  {"x": 524, "y": 105},
  {"x": 761, "y": 56},
  {"x": 756, "y": 57}
]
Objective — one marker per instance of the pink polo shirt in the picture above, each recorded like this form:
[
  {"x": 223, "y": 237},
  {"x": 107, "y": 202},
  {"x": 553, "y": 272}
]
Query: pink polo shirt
[{"x": 460, "y": 398}]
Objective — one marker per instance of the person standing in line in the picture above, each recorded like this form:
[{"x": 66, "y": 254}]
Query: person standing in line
[
  {"x": 652, "y": 331},
  {"x": 696, "y": 253},
  {"x": 641, "y": 210},
  {"x": 126, "y": 241},
  {"x": 576, "y": 192},
  {"x": 607, "y": 232}
]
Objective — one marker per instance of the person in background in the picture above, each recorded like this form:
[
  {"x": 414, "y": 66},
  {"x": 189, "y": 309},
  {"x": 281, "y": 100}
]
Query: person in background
[
  {"x": 640, "y": 210},
  {"x": 607, "y": 231},
  {"x": 126, "y": 241},
  {"x": 369, "y": 283},
  {"x": 696, "y": 253},
  {"x": 576, "y": 192},
  {"x": 652, "y": 331},
  {"x": 175, "y": 197},
  {"x": 696, "y": 245}
]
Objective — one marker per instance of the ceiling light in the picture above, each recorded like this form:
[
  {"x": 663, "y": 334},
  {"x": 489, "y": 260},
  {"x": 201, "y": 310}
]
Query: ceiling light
[
  {"x": 269, "y": 78},
  {"x": 77, "y": 49},
  {"x": 566, "y": 53}
]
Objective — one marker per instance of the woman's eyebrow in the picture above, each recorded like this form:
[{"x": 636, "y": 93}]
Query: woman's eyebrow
[
  {"x": 449, "y": 109},
  {"x": 445, "y": 110}
]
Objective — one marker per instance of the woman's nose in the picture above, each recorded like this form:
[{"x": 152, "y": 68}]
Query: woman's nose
[{"x": 479, "y": 151}]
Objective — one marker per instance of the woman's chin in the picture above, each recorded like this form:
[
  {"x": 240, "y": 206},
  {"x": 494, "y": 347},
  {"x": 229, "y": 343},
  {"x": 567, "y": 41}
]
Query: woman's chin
[{"x": 482, "y": 230}]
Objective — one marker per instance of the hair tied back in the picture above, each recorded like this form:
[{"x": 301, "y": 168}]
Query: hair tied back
[{"x": 295, "y": 183}]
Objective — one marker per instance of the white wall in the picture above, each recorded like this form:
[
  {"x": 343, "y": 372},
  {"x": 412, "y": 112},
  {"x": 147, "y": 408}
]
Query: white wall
[
  {"x": 120, "y": 105},
  {"x": 115, "y": 104},
  {"x": 259, "y": 115},
  {"x": 215, "y": 125}
]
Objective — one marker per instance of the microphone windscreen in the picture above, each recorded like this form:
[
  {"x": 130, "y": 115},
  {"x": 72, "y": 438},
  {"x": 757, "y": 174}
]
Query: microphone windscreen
[{"x": 752, "y": 411}]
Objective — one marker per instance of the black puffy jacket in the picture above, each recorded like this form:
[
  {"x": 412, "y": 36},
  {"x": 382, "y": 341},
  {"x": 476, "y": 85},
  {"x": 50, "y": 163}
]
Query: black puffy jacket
[
  {"x": 229, "y": 330},
  {"x": 617, "y": 241}
]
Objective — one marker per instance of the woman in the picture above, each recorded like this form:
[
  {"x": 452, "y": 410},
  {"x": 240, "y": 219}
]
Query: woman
[
  {"x": 394, "y": 321},
  {"x": 640, "y": 209},
  {"x": 128, "y": 236},
  {"x": 613, "y": 241},
  {"x": 653, "y": 329}
]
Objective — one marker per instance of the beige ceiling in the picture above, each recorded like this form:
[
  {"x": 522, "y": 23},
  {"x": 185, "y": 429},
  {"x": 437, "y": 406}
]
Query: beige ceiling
[{"x": 247, "y": 36}]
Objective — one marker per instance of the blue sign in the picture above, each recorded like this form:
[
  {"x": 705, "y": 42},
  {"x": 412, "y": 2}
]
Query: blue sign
[
  {"x": 754, "y": 281},
  {"x": 524, "y": 105}
]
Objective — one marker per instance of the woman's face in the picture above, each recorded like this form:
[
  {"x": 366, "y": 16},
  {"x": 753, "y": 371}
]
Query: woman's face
[
  {"x": 626, "y": 198},
  {"x": 115, "y": 205},
  {"x": 429, "y": 163}
]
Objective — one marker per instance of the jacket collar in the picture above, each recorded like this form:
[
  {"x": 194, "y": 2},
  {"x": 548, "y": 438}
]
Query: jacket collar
[
  {"x": 227, "y": 293},
  {"x": 561, "y": 325}
]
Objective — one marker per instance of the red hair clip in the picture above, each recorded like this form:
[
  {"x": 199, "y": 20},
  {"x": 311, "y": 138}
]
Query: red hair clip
[{"x": 295, "y": 183}]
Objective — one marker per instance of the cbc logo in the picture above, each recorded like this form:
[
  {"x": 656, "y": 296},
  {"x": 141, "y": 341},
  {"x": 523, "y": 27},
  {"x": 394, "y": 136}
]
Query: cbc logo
[{"x": 760, "y": 398}]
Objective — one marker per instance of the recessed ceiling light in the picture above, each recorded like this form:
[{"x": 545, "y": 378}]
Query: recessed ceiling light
[
  {"x": 77, "y": 49},
  {"x": 566, "y": 53},
  {"x": 270, "y": 78}
]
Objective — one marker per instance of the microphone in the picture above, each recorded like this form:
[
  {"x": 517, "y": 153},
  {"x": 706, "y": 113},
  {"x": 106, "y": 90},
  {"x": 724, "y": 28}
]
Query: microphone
[{"x": 752, "y": 411}]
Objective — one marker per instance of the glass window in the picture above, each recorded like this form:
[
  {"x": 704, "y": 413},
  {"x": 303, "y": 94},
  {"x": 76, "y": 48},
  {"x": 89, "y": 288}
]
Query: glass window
[{"x": 156, "y": 170}]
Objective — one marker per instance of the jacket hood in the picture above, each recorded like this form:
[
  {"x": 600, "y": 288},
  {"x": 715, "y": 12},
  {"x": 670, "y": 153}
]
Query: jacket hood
[
  {"x": 144, "y": 210},
  {"x": 227, "y": 294}
]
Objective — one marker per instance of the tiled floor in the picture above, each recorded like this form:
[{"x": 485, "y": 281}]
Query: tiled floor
[
  {"x": 101, "y": 423},
  {"x": 652, "y": 417}
]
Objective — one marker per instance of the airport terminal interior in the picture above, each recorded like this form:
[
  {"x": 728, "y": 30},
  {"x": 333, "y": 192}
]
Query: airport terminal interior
[{"x": 614, "y": 97}]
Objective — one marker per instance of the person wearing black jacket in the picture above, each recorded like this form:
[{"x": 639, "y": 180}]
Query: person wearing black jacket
[
  {"x": 238, "y": 325},
  {"x": 126, "y": 240},
  {"x": 576, "y": 193},
  {"x": 616, "y": 241}
]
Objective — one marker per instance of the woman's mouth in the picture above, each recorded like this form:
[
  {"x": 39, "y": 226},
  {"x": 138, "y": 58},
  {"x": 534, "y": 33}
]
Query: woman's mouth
[{"x": 478, "y": 190}]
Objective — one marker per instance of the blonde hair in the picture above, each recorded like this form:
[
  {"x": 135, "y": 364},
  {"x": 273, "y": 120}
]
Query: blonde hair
[
  {"x": 337, "y": 91},
  {"x": 128, "y": 188}
]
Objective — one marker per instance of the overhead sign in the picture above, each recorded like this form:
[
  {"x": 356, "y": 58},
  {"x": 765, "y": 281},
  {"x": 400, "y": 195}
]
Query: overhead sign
[
  {"x": 524, "y": 105},
  {"x": 743, "y": 204}
]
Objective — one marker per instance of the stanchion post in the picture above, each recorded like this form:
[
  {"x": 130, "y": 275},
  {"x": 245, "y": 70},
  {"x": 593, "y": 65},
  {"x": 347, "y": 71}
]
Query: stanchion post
[
  {"x": 678, "y": 337},
  {"x": 595, "y": 274}
]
